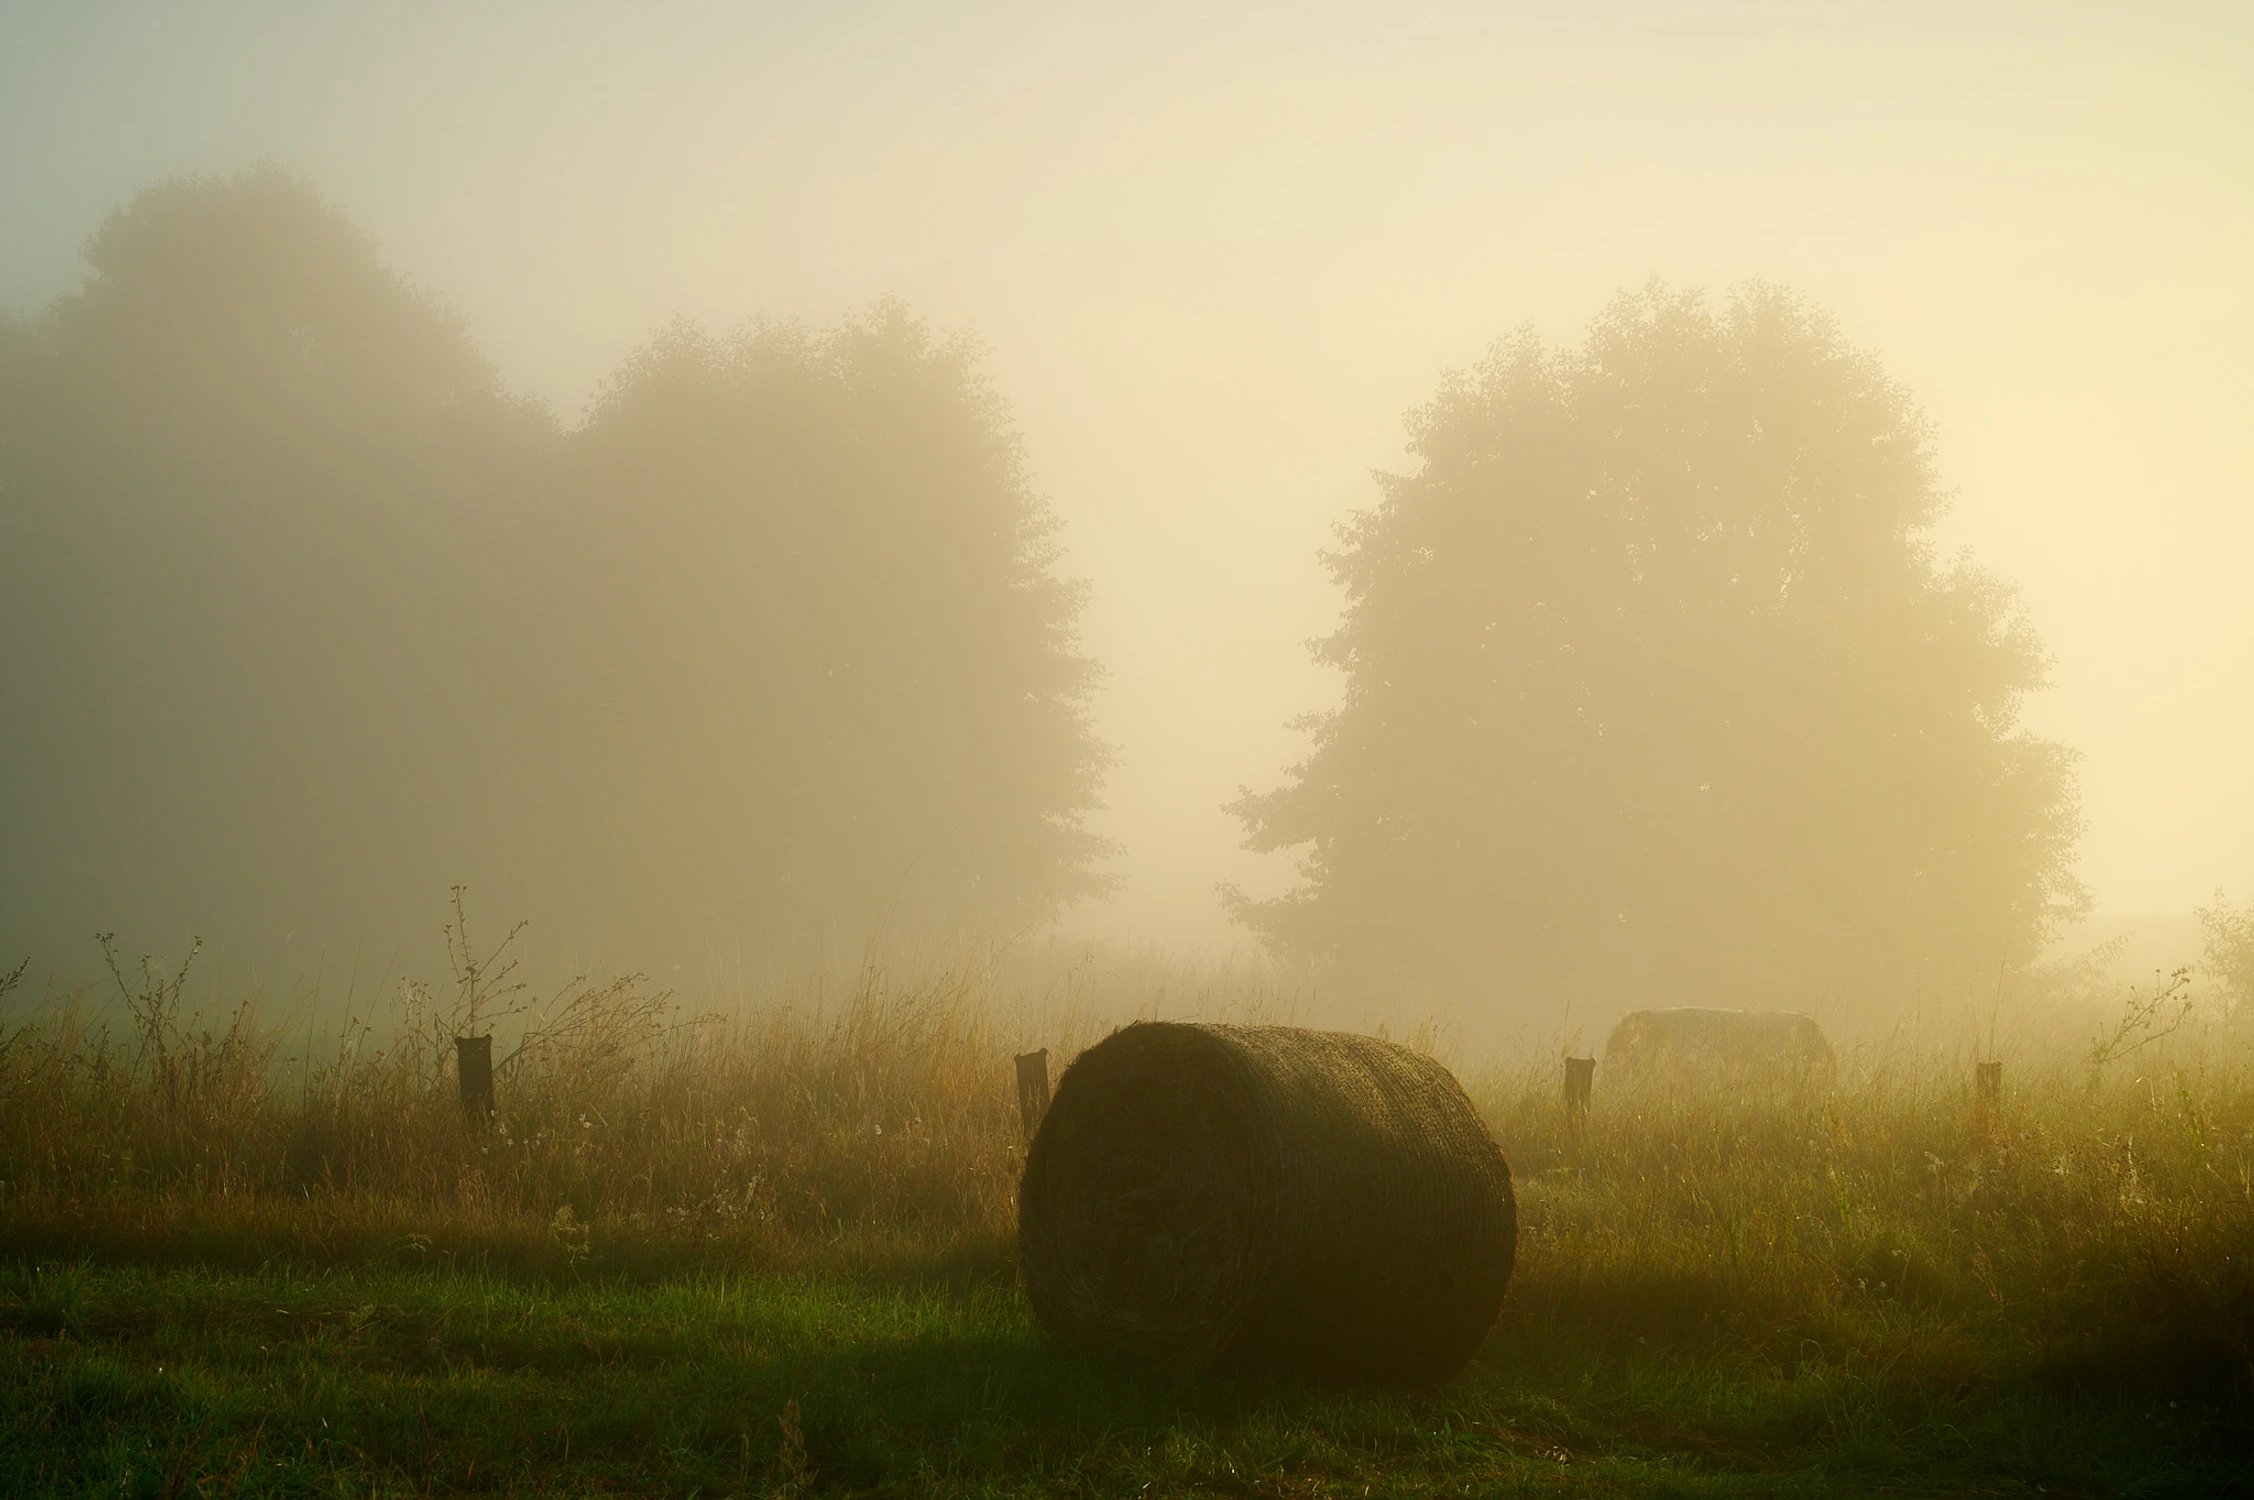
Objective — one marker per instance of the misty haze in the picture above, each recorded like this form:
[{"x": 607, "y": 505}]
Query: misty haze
[{"x": 1223, "y": 723}]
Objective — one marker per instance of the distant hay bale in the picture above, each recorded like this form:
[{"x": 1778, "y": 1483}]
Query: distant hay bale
[
  {"x": 1722, "y": 1045},
  {"x": 1266, "y": 1198}
]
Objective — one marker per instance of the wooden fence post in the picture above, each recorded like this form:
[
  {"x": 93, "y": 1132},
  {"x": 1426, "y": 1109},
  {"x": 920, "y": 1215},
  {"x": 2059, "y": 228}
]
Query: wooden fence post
[
  {"x": 1580, "y": 1076},
  {"x": 1032, "y": 1089},
  {"x": 473, "y": 1057}
]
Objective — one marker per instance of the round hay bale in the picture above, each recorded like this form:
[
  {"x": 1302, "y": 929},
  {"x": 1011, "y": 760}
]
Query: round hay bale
[
  {"x": 1266, "y": 1198},
  {"x": 1720, "y": 1048}
]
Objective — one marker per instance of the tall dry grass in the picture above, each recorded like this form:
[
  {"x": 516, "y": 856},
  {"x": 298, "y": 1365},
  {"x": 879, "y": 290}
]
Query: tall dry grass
[
  {"x": 2097, "y": 1219},
  {"x": 879, "y": 1123},
  {"x": 2100, "y": 1217}
]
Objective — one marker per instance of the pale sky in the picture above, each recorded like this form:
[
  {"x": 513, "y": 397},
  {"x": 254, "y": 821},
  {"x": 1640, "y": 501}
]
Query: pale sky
[{"x": 1218, "y": 251}]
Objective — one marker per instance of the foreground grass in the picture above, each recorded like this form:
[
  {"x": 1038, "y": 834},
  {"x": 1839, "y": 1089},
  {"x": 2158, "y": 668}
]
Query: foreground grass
[
  {"x": 772, "y": 1254},
  {"x": 135, "y": 1381}
]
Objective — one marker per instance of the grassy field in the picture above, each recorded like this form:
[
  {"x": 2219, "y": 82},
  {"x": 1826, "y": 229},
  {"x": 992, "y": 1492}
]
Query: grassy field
[
  {"x": 772, "y": 1255},
  {"x": 382, "y": 1381}
]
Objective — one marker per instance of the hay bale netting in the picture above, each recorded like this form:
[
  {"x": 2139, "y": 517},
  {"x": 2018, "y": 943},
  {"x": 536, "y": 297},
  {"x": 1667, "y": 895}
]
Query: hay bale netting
[{"x": 1262, "y": 1197}]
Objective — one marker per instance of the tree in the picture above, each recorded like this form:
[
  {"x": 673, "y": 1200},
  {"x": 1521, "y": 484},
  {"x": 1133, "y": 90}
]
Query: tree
[
  {"x": 2229, "y": 954},
  {"x": 304, "y": 618},
  {"x": 853, "y": 627},
  {"x": 1655, "y": 691},
  {"x": 252, "y": 483}
]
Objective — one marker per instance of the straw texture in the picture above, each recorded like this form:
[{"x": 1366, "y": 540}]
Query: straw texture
[{"x": 1266, "y": 1198}]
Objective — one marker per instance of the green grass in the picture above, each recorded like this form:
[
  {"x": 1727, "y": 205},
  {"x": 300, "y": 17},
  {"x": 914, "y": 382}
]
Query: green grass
[
  {"x": 147, "y": 1381},
  {"x": 225, "y": 1269}
]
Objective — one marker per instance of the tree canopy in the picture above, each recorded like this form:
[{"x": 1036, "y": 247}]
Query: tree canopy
[
  {"x": 304, "y": 617},
  {"x": 825, "y": 580},
  {"x": 1656, "y": 692}
]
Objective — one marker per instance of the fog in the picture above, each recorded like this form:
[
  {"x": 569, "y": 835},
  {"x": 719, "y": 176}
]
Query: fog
[{"x": 1214, "y": 255}]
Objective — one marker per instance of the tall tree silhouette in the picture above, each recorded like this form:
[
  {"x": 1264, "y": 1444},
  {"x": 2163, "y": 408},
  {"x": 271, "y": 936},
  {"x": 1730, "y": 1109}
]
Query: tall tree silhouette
[
  {"x": 1656, "y": 692},
  {"x": 883, "y": 669},
  {"x": 303, "y": 617},
  {"x": 250, "y": 481}
]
